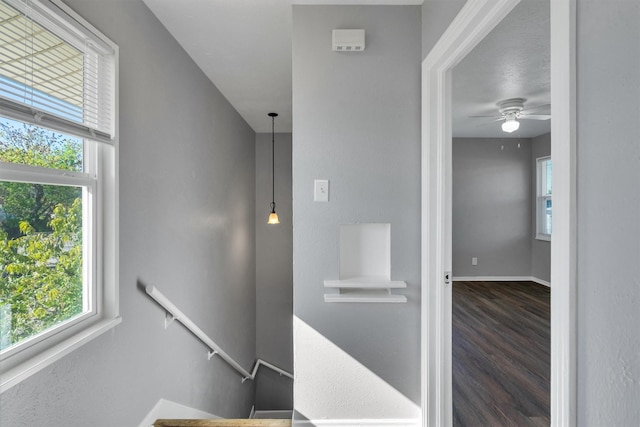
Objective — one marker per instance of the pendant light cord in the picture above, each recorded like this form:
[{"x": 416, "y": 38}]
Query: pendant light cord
[{"x": 273, "y": 166}]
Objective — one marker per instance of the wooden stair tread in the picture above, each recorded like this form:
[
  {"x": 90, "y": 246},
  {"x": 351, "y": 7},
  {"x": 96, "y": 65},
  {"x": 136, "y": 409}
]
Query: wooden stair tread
[{"x": 223, "y": 423}]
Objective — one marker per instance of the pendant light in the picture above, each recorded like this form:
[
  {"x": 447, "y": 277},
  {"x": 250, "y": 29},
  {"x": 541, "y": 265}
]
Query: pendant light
[{"x": 273, "y": 216}]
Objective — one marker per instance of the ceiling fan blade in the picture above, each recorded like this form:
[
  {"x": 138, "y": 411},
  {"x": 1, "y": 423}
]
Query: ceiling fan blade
[
  {"x": 493, "y": 116},
  {"x": 544, "y": 107},
  {"x": 534, "y": 117}
]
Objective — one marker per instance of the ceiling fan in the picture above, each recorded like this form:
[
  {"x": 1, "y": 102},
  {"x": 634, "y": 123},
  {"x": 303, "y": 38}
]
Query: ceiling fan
[{"x": 511, "y": 110}]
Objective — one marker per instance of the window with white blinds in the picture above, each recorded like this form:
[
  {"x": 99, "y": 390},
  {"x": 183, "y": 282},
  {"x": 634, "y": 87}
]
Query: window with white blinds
[
  {"x": 53, "y": 74},
  {"x": 58, "y": 185}
]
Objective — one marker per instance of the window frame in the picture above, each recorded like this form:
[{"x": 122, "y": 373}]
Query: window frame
[
  {"x": 541, "y": 200},
  {"x": 100, "y": 219}
]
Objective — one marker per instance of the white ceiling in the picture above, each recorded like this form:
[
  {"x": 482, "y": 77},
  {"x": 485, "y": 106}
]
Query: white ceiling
[
  {"x": 244, "y": 47},
  {"x": 513, "y": 61}
]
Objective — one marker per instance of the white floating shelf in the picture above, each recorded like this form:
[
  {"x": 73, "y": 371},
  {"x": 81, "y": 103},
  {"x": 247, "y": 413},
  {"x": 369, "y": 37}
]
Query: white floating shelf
[
  {"x": 365, "y": 283},
  {"x": 364, "y": 290},
  {"x": 365, "y": 297}
]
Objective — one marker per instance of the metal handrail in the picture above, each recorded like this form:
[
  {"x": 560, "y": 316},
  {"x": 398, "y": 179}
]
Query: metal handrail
[{"x": 174, "y": 313}]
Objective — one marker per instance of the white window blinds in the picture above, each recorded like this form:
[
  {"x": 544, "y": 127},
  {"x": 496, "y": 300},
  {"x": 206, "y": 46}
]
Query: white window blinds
[{"x": 54, "y": 73}]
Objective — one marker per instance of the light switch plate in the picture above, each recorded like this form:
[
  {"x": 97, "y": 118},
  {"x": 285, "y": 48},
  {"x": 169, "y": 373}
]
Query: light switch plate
[{"x": 321, "y": 190}]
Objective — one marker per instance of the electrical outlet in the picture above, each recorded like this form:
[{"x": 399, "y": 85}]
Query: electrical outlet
[{"x": 474, "y": 261}]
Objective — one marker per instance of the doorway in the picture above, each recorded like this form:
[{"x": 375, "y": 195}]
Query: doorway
[
  {"x": 501, "y": 118},
  {"x": 476, "y": 20}
]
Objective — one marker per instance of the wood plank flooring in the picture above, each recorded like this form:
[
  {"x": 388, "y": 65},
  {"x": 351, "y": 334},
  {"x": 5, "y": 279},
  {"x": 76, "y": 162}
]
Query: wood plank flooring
[{"x": 501, "y": 354}]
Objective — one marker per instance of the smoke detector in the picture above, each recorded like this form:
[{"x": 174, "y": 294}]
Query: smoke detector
[{"x": 347, "y": 40}]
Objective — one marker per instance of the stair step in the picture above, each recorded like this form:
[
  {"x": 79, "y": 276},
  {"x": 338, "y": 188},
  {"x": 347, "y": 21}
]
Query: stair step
[
  {"x": 273, "y": 414},
  {"x": 224, "y": 423}
]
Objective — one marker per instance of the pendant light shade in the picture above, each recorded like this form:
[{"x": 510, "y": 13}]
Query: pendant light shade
[{"x": 273, "y": 216}]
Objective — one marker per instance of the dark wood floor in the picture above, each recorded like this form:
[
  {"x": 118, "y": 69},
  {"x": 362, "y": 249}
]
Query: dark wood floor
[{"x": 501, "y": 347}]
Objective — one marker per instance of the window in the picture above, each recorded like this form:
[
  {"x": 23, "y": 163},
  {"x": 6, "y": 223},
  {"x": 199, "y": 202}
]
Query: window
[
  {"x": 58, "y": 185},
  {"x": 543, "y": 200}
]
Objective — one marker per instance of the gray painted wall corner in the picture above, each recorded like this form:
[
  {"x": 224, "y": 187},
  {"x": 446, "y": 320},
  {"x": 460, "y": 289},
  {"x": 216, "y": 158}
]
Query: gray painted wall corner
[{"x": 274, "y": 272}]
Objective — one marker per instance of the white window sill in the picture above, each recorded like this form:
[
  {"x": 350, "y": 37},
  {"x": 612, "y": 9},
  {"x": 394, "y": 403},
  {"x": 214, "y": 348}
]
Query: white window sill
[
  {"x": 42, "y": 360},
  {"x": 545, "y": 237}
]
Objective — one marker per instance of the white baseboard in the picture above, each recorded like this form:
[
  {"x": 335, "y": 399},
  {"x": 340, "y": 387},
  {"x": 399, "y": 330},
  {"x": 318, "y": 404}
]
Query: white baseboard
[
  {"x": 358, "y": 423},
  {"x": 501, "y": 279},
  {"x": 172, "y": 410},
  {"x": 541, "y": 282}
]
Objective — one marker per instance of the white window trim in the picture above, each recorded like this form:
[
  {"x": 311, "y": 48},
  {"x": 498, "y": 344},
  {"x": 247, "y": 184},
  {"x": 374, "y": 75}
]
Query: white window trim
[
  {"x": 106, "y": 241},
  {"x": 539, "y": 198}
]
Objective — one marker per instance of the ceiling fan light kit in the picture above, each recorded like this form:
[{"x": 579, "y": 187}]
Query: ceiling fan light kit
[
  {"x": 510, "y": 124},
  {"x": 510, "y": 110}
]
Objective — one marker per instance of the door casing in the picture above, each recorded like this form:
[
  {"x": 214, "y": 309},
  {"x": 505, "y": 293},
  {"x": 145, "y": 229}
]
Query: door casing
[{"x": 476, "y": 19}]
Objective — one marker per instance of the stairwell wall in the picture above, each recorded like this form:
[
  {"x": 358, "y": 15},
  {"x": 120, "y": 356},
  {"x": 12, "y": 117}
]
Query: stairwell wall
[{"x": 187, "y": 226}]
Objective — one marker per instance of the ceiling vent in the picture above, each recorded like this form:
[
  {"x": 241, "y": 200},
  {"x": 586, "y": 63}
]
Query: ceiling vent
[{"x": 348, "y": 40}]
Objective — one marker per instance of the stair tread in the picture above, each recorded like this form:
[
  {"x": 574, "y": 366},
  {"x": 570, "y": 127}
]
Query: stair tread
[{"x": 223, "y": 423}]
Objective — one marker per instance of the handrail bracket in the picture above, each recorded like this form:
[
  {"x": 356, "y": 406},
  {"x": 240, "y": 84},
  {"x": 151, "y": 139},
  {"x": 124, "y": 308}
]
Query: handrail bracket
[{"x": 168, "y": 319}]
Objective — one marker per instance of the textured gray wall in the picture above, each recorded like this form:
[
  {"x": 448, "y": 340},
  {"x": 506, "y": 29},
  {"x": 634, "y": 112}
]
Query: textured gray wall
[
  {"x": 357, "y": 123},
  {"x": 491, "y": 206},
  {"x": 540, "y": 249},
  {"x": 436, "y": 17},
  {"x": 187, "y": 226},
  {"x": 608, "y": 68},
  {"x": 274, "y": 272}
]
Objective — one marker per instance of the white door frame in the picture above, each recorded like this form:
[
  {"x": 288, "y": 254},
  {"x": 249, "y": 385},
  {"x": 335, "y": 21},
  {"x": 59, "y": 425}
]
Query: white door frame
[{"x": 476, "y": 19}]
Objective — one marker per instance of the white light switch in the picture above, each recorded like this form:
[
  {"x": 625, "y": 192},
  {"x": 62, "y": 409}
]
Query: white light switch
[
  {"x": 474, "y": 261},
  {"x": 321, "y": 190}
]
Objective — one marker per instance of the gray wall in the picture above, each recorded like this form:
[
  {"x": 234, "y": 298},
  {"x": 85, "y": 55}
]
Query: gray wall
[
  {"x": 274, "y": 272},
  {"x": 356, "y": 123},
  {"x": 608, "y": 66},
  {"x": 436, "y": 17},
  {"x": 492, "y": 206},
  {"x": 187, "y": 226},
  {"x": 540, "y": 249}
]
